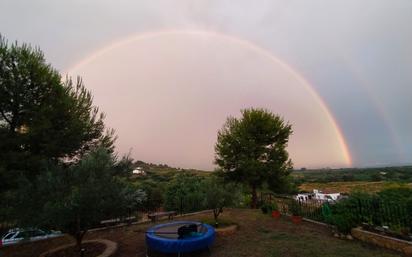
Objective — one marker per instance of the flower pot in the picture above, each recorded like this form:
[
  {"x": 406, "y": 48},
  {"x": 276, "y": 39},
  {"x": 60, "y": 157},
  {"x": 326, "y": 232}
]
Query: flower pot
[
  {"x": 276, "y": 214},
  {"x": 296, "y": 219}
]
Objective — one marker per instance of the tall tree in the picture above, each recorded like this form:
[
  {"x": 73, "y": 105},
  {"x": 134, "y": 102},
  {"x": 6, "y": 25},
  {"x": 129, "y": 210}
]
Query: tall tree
[
  {"x": 42, "y": 117},
  {"x": 252, "y": 150}
]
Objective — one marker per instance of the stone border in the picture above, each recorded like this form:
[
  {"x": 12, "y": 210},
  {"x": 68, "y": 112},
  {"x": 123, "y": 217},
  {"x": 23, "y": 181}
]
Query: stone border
[
  {"x": 320, "y": 223},
  {"x": 229, "y": 230},
  {"x": 383, "y": 241},
  {"x": 111, "y": 247}
]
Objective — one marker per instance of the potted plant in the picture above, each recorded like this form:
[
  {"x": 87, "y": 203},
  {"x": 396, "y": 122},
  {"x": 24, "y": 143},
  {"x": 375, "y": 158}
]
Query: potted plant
[
  {"x": 275, "y": 211},
  {"x": 296, "y": 211},
  {"x": 266, "y": 208}
]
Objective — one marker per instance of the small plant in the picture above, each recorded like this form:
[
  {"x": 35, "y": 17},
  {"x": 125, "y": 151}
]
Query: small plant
[
  {"x": 269, "y": 207},
  {"x": 344, "y": 223},
  {"x": 265, "y": 208},
  {"x": 274, "y": 206},
  {"x": 295, "y": 208}
]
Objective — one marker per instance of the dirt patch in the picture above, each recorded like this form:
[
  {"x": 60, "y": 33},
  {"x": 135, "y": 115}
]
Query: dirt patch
[{"x": 91, "y": 249}]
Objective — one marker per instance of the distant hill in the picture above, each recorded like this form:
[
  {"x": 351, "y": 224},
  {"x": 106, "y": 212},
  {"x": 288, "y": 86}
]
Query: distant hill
[{"x": 162, "y": 169}]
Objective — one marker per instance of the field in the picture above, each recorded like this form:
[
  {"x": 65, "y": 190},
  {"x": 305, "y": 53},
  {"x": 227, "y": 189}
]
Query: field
[
  {"x": 258, "y": 236},
  {"x": 353, "y": 186},
  {"x": 401, "y": 174}
]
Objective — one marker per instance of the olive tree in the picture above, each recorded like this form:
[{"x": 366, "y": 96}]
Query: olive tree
[
  {"x": 217, "y": 195},
  {"x": 76, "y": 198}
]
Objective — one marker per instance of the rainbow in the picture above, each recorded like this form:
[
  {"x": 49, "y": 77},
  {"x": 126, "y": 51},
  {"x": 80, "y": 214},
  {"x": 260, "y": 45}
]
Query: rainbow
[
  {"x": 242, "y": 42},
  {"x": 377, "y": 103}
]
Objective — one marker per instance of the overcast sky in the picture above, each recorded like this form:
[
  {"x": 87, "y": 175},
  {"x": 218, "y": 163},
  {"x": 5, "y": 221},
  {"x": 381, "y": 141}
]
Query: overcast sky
[{"x": 357, "y": 56}]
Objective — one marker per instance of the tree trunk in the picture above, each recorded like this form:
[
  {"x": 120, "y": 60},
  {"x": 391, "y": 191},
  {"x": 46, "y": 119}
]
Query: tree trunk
[
  {"x": 79, "y": 234},
  {"x": 253, "y": 204},
  {"x": 79, "y": 238},
  {"x": 216, "y": 213},
  {"x": 79, "y": 242}
]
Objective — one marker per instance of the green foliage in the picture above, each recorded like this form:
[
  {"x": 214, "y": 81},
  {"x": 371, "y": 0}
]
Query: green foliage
[
  {"x": 186, "y": 193},
  {"x": 269, "y": 207},
  {"x": 183, "y": 193},
  {"x": 218, "y": 195},
  {"x": 394, "y": 174},
  {"x": 391, "y": 207},
  {"x": 42, "y": 119},
  {"x": 154, "y": 192},
  {"x": 252, "y": 150},
  {"x": 344, "y": 222},
  {"x": 295, "y": 208},
  {"x": 76, "y": 198},
  {"x": 396, "y": 195}
]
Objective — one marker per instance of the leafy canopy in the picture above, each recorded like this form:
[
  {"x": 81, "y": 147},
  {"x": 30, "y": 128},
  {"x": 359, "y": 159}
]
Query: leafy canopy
[
  {"x": 42, "y": 117},
  {"x": 77, "y": 198},
  {"x": 218, "y": 194},
  {"x": 252, "y": 150}
]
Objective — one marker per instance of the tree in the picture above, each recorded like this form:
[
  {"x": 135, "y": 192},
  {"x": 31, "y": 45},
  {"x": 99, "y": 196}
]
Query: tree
[
  {"x": 134, "y": 198},
  {"x": 42, "y": 118},
  {"x": 183, "y": 193},
  {"x": 77, "y": 198},
  {"x": 252, "y": 150},
  {"x": 218, "y": 195}
]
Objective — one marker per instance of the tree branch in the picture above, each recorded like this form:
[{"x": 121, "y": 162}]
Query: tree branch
[{"x": 5, "y": 117}]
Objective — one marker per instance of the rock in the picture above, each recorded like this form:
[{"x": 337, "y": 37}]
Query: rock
[
  {"x": 349, "y": 237},
  {"x": 336, "y": 235}
]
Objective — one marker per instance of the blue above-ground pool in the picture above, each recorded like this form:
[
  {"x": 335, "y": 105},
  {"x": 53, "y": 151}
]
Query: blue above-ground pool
[{"x": 164, "y": 238}]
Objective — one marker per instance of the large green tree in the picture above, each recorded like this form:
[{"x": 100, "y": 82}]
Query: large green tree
[
  {"x": 252, "y": 150},
  {"x": 42, "y": 117}
]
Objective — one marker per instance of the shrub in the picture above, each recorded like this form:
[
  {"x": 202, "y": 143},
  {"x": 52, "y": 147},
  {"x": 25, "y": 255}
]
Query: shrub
[
  {"x": 269, "y": 207},
  {"x": 343, "y": 222},
  {"x": 265, "y": 208},
  {"x": 184, "y": 194},
  {"x": 218, "y": 195},
  {"x": 295, "y": 208}
]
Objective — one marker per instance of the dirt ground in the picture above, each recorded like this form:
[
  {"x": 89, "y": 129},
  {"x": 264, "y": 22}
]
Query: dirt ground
[{"x": 258, "y": 235}]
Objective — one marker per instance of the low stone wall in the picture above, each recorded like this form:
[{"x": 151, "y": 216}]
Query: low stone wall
[
  {"x": 383, "y": 241},
  {"x": 111, "y": 248}
]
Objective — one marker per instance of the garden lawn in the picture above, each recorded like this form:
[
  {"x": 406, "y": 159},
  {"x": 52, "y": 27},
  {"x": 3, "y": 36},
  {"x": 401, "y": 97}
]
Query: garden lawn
[{"x": 258, "y": 235}]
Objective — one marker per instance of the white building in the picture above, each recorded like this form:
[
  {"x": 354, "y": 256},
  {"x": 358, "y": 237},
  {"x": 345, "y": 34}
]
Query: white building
[
  {"x": 318, "y": 195},
  {"x": 139, "y": 171}
]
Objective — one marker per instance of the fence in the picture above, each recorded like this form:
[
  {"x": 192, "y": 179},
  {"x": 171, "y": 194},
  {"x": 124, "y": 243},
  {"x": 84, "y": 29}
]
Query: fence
[
  {"x": 382, "y": 213},
  {"x": 379, "y": 213}
]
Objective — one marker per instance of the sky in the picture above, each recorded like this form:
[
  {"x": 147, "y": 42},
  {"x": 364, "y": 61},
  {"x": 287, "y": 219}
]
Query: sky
[{"x": 168, "y": 73}]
